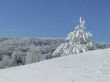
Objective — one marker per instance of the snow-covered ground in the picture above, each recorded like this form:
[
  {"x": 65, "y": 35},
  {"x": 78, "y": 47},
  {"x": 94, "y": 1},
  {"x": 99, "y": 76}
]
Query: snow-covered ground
[{"x": 92, "y": 66}]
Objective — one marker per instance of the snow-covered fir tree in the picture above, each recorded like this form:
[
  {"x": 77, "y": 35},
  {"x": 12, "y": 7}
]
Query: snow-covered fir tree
[{"x": 76, "y": 42}]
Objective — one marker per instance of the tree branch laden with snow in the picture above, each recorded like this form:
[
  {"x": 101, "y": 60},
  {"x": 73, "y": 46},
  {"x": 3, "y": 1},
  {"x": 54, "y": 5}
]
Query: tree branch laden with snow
[{"x": 76, "y": 42}]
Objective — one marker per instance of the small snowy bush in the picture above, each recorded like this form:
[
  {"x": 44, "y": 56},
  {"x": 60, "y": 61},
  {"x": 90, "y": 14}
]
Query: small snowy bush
[{"x": 76, "y": 42}]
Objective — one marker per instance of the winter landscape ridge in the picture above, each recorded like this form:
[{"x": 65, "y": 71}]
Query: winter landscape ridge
[
  {"x": 92, "y": 66},
  {"x": 15, "y": 51},
  {"x": 22, "y": 51},
  {"x": 74, "y": 59}
]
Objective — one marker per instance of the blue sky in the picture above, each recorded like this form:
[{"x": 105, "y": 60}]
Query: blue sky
[{"x": 53, "y": 18}]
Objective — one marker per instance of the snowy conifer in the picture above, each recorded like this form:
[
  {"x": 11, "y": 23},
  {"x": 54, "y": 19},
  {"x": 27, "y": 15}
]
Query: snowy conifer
[{"x": 76, "y": 42}]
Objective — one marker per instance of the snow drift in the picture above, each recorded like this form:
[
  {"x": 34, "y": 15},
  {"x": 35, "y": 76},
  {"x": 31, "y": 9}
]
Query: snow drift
[{"x": 92, "y": 66}]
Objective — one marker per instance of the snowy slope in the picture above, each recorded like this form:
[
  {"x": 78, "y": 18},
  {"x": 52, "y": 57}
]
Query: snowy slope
[{"x": 93, "y": 66}]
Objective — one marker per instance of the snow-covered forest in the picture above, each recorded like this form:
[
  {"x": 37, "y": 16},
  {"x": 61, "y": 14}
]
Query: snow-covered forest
[{"x": 21, "y": 51}]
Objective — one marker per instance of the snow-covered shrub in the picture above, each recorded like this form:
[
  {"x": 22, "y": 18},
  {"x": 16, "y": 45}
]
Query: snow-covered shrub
[
  {"x": 6, "y": 62},
  {"x": 34, "y": 55},
  {"x": 18, "y": 58},
  {"x": 76, "y": 42},
  {"x": 102, "y": 45}
]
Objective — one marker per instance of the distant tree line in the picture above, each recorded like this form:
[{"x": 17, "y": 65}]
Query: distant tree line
[{"x": 21, "y": 51}]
